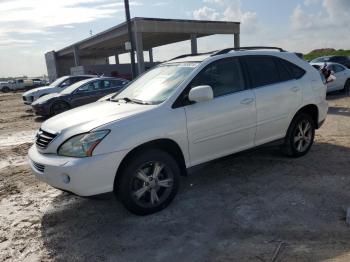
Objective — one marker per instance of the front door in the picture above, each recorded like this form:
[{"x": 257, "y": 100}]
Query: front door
[
  {"x": 88, "y": 93},
  {"x": 225, "y": 124}
]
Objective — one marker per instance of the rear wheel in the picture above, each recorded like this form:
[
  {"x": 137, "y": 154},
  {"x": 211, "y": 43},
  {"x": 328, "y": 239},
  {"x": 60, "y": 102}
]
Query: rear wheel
[
  {"x": 149, "y": 182},
  {"x": 300, "y": 136},
  {"x": 5, "y": 89},
  {"x": 59, "y": 107}
]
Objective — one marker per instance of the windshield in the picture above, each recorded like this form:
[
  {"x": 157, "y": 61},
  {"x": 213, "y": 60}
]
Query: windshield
[
  {"x": 156, "y": 85},
  {"x": 59, "y": 80},
  {"x": 72, "y": 88}
]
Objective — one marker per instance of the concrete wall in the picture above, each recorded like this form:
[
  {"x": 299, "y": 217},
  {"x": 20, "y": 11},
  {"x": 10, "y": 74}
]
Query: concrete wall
[
  {"x": 116, "y": 70},
  {"x": 51, "y": 66}
]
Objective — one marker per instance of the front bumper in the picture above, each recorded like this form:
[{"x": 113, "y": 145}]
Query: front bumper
[
  {"x": 82, "y": 176},
  {"x": 41, "y": 110},
  {"x": 28, "y": 100}
]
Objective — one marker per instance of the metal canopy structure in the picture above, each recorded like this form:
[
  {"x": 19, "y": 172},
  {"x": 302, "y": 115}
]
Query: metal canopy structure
[{"x": 147, "y": 33}]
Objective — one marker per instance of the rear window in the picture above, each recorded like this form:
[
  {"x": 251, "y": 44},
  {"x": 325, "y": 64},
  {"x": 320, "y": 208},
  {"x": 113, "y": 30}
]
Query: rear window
[
  {"x": 295, "y": 70},
  {"x": 262, "y": 70}
]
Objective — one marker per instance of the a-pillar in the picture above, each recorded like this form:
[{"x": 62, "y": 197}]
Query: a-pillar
[{"x": 193, "y": 44}]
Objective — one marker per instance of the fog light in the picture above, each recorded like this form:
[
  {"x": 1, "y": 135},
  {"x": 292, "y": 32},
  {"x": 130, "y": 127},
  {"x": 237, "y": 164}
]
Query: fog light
[{"x": 66, "y": 179}]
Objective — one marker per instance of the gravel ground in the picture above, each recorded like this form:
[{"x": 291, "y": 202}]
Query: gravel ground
[{"x": 241, "y": 208}]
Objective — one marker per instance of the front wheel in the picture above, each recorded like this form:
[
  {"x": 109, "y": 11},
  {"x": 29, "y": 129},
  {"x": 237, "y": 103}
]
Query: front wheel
[
  {"x": 59, "y": 107},
  {"x": 149, "y": 182},
  {"x": 300, "y": 136},
  {"x": 5, "y": 89},
  {"x": 347, "y": 85}
]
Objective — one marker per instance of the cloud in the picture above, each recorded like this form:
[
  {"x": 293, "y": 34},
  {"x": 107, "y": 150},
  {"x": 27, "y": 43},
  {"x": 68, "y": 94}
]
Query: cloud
[
  {"x": 21, "y": 17},
  {"x": 231, "y": 10},
  {"x": 206, "y": 13}
]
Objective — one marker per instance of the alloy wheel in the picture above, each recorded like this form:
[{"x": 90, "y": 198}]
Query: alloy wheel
[
  {"x": 152, "y": 184},
  {"x": 303, "y": 136}
]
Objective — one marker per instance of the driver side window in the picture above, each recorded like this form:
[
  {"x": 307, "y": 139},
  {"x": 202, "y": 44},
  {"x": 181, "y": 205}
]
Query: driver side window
[
  {"x": 89, "y": 87},
  {"x": 224, "y": 77},
  {"x": 66, "y": 83}
]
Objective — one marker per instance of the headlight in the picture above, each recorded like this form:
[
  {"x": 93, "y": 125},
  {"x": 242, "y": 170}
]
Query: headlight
[{"x": 82, "y": 145}]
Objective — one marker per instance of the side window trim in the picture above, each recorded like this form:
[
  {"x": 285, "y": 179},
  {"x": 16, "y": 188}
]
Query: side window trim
[{"x": 180, "y": 100}]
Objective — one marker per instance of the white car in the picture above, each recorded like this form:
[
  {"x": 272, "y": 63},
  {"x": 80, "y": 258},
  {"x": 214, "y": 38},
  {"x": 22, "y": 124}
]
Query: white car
[
  {"x": 57, "y": 86},
  {"x": 180, "y": 114},
  {"x": 341, "y": 73}
]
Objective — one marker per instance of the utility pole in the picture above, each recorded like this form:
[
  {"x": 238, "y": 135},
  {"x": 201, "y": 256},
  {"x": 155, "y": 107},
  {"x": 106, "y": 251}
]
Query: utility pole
[{"x": 132, "y": 50}]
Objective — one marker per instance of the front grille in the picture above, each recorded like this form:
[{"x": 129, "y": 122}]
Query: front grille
[
  {"x": 39, "y": 167},
  {"x": 43, "y": 138},
  {"x": 24, "y": 98}
]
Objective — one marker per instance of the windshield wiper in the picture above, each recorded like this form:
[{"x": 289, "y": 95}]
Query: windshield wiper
[{"x": 131, "y": 100}]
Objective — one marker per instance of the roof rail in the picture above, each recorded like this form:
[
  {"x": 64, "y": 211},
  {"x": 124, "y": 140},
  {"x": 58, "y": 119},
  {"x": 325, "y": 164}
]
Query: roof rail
[
  {"x": 226, "y": 50},
  {"x": 186, "y": 55}
]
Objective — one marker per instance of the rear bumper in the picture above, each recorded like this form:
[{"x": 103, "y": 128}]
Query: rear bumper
[
  {"x": 322, "y": 112},
  {"x": 82, "y": 176}
]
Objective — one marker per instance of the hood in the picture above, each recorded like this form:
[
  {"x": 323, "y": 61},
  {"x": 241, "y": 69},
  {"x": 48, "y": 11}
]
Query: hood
[
  {"x": 107, "y": 97},
  {"x": 90, "y": 116},
  {"x": 38, "y": 90},
  {"x": 45, "y": 98}
]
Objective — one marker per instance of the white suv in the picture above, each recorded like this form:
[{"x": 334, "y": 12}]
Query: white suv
[{"x": 182, "y": 113}]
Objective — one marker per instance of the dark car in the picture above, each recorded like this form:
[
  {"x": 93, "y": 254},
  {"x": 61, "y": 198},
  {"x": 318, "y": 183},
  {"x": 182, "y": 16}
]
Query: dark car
[
  {"x": 344, "y": 60},
  {"x": 78, "y": 94}
]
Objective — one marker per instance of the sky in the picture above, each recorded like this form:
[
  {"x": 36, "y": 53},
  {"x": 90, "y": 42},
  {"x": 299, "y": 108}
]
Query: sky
[{"x": 30, "y": 28}]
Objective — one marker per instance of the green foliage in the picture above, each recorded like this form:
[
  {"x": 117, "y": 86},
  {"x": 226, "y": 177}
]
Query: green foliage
[{"x": 326, "y": 52}]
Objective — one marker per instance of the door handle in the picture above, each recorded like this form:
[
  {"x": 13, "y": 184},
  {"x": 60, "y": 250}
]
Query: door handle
[
  {"x": 247, "y": 101},
  {"x": 295, "y": 89}
]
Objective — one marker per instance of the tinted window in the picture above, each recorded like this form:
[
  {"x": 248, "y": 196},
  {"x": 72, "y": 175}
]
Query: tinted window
[
  {"x": 295, "y": 70},
  {"x": 90, "y": 87},
  {"x": 318, "y": 60},
  {"x": 284, "y": 71},
  {"x": 224, "y": 77},
  {"x": 338, "y": 68},
  {"x": 339, "y": 59},
  {"x": 66, "y": 83},
  {"x": 262, "y": 70}
]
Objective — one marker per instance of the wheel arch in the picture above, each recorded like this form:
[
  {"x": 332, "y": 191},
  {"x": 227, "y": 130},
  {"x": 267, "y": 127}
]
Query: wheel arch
[
  {"x": 165, "y": 144},
  {"x": 311, "y": 110}
]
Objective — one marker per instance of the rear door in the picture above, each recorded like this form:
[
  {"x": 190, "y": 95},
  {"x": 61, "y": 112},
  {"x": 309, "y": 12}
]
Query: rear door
[
  {"x": 87, "y": 93},
  {"x": 278, "y": 95}
]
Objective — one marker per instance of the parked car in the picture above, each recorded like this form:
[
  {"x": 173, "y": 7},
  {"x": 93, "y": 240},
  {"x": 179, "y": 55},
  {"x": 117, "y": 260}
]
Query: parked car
[
  {"x": 14, "y": 85},
  {"x": 177, "y": 115},
  {"x": 344, "y": 60},
  {"x": 61, "y": 83},
  {"x": 341, "y": 73},
  {"x": 107, "y": 97},
  {"x": 78, "y": 94}
]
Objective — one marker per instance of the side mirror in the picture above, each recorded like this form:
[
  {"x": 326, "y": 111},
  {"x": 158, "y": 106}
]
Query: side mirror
[{"x": 201, "y": 94}]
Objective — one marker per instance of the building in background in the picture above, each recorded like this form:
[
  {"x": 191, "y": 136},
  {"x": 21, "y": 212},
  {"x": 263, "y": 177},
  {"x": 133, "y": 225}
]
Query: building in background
[{"x": 91, "y": 55}]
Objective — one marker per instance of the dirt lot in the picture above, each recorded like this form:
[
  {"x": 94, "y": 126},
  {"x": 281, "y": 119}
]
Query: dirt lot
[{"x": 237, "y": 209}]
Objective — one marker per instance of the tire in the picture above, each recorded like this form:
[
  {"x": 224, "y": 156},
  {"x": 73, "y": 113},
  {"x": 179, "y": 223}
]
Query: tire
[
  {"x": 347, "y": 85},
  {"x": 59, "y": 107},
  {"x": 138, "y": 186},
  {"x": 5, "y": 89},
  {"x": 296, "y": 143}
]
